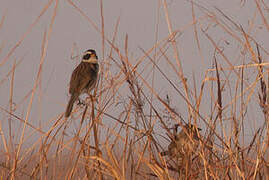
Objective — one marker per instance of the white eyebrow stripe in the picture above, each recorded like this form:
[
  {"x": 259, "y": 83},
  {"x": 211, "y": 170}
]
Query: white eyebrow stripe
[
  {"x": 91, "y": 60},
  {"x": 88, "y": 53}
]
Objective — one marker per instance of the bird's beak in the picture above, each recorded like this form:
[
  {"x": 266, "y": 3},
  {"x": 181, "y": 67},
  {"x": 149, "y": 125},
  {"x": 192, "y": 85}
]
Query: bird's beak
[{"x": 94, "y": 56}]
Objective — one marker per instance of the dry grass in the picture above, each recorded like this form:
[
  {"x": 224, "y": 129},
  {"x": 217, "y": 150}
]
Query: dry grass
[{"x": 122, "y": 131}]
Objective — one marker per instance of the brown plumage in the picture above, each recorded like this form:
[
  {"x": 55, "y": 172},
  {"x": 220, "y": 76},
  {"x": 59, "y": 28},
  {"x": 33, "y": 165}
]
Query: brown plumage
[
  {"x": 183, "y": 144},
  {"x": 83, "y": 78}
]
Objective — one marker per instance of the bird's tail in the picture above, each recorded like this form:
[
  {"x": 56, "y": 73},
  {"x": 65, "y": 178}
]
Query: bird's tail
[{"x": 70, "y": 105}]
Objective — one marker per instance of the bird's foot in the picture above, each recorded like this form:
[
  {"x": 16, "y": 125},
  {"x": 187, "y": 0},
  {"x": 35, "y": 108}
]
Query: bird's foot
[{"x": 81, "y": 102}]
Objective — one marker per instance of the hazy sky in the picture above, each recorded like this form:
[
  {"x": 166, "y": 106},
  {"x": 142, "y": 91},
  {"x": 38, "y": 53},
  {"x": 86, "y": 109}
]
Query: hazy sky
[{"x": 138, "y": 19}]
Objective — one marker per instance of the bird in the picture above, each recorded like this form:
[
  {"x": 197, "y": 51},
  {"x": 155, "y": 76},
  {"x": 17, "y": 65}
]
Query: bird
[
  {"x": 183, "y": 144},
  {"x": 83, "y": 78}
]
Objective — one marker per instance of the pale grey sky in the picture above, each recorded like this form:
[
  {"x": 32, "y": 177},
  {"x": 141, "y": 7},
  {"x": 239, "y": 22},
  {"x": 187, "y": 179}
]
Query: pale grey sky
[{"x": 138, "y": 19}]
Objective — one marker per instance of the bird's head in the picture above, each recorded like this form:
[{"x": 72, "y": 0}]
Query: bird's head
[
  {"x": 193, "y": 130},
  {"x": 90, "y": 56},
  {"x": 190, "y": 129}
]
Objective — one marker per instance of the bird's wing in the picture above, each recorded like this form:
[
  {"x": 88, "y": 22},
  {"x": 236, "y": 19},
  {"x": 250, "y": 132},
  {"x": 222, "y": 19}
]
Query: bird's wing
[
  {"x": 75, "y": 81},
  {"x": 81, "y": 78}
]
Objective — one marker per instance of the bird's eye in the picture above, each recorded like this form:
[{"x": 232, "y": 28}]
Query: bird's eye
[{"x": 86, "y": 56}]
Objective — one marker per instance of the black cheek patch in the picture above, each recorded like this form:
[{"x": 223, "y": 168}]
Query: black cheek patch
[{"x": 86, "y": 56}]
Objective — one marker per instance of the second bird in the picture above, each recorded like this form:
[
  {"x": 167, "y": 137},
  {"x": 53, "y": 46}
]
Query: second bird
[
  {"x": 183, "y": 143},
  {"x": 83, "y": 78}
]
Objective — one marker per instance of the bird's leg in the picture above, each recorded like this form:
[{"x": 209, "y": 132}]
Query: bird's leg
[{"x": 90, "y": 99}]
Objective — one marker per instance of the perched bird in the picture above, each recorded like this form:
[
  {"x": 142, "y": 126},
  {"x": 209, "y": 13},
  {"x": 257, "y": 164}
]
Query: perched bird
[
  {"x": 83, "y": 78},
  {"x": 184, "y": 143}
]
